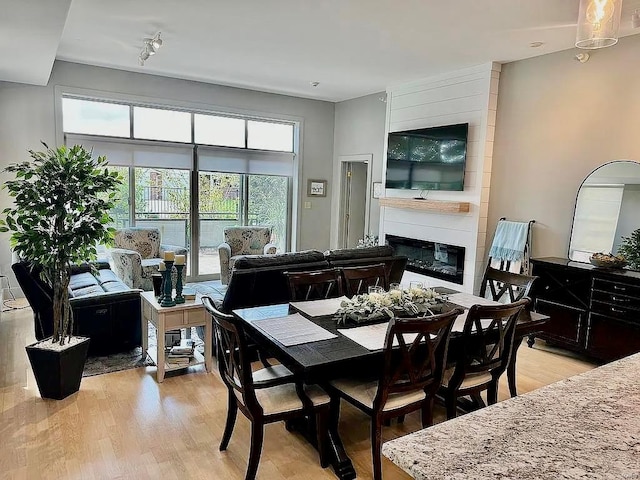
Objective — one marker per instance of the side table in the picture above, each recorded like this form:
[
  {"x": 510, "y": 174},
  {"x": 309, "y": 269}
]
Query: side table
[{"x": 185, "y": 315}]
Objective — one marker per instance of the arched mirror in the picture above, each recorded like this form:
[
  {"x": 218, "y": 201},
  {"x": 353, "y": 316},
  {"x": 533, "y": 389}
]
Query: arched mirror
[{"x": 607, "y": 209}]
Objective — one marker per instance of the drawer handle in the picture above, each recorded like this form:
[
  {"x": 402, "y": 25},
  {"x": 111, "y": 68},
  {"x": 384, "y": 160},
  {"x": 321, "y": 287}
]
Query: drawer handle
[
  {"x": 619, "y": 288},
  {"x": 102, "y": 311},
  {"x": 616, "y": 310},
  {"x": 620, "y": 299}
]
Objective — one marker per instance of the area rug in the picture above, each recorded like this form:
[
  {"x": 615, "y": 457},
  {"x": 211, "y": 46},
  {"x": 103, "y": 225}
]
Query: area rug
[{"x": 97, "y": 365}]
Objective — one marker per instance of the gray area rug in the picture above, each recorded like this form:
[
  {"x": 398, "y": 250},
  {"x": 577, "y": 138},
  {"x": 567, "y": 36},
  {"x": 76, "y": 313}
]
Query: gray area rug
[{"x": 126, "y": 360}]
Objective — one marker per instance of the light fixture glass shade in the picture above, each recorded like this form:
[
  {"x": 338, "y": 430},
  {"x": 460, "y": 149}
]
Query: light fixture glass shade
[{"x": 598, "y": 23}]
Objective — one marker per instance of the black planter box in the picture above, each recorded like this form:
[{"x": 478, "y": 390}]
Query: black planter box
[{"x": 58, "y": 373}]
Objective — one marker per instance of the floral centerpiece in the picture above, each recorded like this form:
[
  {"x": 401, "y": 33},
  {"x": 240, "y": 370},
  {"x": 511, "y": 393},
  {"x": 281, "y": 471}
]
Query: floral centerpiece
[{"x": 373, "y": 307}]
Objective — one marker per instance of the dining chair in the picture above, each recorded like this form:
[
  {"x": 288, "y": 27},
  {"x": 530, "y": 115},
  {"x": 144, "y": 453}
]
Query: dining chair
[
  {"x": 504, "y": 285},
  {"x": 415, "y": 352},
  {"x": 314, "y": 285},
  {"x": 357, "y": 280},
  {"x": 485, "y": 345},
  {"x": 265, "y": 396}
]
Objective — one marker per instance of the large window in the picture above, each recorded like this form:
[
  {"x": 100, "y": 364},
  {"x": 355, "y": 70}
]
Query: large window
[{"x": 242, "y": 169}]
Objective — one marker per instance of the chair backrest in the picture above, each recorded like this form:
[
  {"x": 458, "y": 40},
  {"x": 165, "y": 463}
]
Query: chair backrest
[
  {"x": 357, "y": 280},
  {"x": 314, "y": 285},
  {"x": 358, "y": 257},
  {"x": 487, "y": 339},
  {"x": 144, "y": 240},
  {"x": 247, "y": 240},
  {"x": 500, "y": 282},
  {"x": 231, "y": 352},
  {"x": 418, "y": 359}
]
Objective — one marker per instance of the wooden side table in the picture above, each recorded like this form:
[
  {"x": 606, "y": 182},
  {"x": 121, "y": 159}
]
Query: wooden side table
[{"x": 186, "y": 315}]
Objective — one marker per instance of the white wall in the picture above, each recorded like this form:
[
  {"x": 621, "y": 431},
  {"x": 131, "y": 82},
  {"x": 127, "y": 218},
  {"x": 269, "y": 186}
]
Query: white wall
[
  {"x": 27, "y": 116},
  {"x": 464, "y": 96},
  {"x": 557, "y": 120},
  {"x": 359, "y": 129}
]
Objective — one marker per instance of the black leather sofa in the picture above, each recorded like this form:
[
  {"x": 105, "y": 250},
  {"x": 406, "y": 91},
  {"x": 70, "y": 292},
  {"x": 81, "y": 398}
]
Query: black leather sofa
[
  {"x": 104, "y": 308},
  {"x": 259, "y": 280}
]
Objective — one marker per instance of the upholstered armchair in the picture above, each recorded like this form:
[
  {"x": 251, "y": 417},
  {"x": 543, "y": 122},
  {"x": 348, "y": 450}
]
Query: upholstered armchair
[
  {"x": 137, "y": 255},
  {"x": 242, "y": 241}
]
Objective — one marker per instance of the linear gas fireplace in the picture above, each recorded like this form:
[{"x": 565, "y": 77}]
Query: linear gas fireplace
[{"x": 433, "y": 259}]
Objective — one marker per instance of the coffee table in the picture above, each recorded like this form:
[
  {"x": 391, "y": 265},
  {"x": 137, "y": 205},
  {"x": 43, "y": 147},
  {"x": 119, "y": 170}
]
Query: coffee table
[{"x": 185, "y": 315}]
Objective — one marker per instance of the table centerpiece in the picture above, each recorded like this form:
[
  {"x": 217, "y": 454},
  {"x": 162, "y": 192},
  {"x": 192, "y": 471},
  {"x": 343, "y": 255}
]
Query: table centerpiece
[{"x": 377, "y": 307}]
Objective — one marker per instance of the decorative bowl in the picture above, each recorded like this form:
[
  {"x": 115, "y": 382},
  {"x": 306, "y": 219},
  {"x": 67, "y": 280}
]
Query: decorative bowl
[{"x": 601, "y": 260}]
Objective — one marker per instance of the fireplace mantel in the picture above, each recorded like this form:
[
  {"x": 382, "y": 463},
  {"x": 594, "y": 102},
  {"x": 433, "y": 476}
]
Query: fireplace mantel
[{"x": 440, "y": 206}]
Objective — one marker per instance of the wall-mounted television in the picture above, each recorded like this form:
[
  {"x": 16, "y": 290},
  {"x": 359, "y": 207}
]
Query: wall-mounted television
[{"x": 427, "y": 158}]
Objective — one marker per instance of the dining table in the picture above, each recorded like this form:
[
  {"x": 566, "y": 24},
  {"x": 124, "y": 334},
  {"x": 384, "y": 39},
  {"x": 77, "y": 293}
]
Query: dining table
[{"x": 307, "y": 339}]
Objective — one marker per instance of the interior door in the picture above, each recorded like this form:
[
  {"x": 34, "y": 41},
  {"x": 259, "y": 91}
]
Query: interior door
[{"x": 354, "y": 203}]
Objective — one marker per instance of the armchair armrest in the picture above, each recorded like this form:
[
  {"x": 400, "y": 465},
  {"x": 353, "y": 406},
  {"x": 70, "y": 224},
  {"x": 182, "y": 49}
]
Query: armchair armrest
[
  {"x": 224, "y": 254},
  {"x": 270, "y": 249},
  {"x": 128, "y": 266},
  {"x": 174, "y": 248}
]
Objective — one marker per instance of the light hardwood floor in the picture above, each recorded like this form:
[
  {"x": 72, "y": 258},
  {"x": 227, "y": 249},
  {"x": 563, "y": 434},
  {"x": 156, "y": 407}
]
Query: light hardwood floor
[{"x": 125, "y": 425}]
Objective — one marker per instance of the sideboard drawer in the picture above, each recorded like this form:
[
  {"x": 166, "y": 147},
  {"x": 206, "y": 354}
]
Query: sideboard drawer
[{"x": 617, "y": 288}]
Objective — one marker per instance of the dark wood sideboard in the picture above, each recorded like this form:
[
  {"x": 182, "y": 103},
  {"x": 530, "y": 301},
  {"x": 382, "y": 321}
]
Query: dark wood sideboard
[{"x": 593, "y": 311}]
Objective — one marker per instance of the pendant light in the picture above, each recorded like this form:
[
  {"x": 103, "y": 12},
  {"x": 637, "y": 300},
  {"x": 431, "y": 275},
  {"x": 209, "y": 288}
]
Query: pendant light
[{"x": 598, "y": 23}]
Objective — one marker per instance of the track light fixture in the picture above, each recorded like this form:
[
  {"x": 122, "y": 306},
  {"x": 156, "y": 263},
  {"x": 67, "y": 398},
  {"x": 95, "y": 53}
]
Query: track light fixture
[{"x": 150, "y": 47}]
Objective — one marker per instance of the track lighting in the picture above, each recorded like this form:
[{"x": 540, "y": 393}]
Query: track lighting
[{"x": 151, "y": 46}]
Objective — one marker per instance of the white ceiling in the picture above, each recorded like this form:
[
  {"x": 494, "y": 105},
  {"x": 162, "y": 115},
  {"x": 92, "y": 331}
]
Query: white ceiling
[{"x": 352, "y": 47}]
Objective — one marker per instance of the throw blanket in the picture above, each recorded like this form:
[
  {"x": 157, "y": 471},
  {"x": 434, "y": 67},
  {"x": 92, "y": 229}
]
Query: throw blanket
[{"x": 510, "y": 241}]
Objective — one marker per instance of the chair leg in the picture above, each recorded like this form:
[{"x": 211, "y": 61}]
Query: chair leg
[
  {"x": 376, "y": 445},
  {"x": 427, "y": 412},
  {"x": 477, "y": 399},
  {"x": 322, "y": 431},
  {"x": 263, "y": 359},
  {"x": 450, "y": 401},
  {"x": 232, "y": 411},
  {"x": 257, "y": 434},
  {"x": 492, "y": 392}
]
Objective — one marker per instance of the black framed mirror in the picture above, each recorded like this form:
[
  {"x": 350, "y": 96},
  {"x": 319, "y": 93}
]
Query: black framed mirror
[{"x": 607, "y": 209}]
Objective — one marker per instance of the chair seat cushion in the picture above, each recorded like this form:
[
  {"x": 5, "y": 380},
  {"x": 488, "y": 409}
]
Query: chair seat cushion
[
  {"x": 364, "y": 392},
  {"x": 271, "y": 373},
  {"x": 284, "y": 398},
  {"x": 470, "y": 381}
]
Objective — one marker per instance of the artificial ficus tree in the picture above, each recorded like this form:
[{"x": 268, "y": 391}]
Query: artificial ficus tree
[{"x": 62, "y": 199}]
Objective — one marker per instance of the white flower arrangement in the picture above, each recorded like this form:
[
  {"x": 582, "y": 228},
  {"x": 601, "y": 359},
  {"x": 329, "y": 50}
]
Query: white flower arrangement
[
  {"x": 368, "y": 241},
  {"x": 375, "y": 306}
]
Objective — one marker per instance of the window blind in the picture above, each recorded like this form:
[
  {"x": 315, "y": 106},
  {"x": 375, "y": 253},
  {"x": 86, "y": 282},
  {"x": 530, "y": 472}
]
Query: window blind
[
  {"x": 128, "y": 153},
  {"x": 219, "y": 159}
]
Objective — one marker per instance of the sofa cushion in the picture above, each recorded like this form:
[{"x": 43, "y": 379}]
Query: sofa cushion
[
  {"x": 86, "y": 291},
  {"x": 82, "y": 280},
  {"x": 282, "y": 259},
  {"x": 354, "y": 253}
]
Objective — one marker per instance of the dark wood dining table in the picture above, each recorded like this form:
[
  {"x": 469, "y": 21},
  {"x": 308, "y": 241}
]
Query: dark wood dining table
[{"x": 322, "y": 361}]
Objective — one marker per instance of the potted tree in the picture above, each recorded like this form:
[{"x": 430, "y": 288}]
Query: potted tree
[{"x": 60, "y": 213}]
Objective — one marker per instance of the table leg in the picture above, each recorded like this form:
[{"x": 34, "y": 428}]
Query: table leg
[
  {"x": 160, "y": 353},
  {"x": 208, "y": 340},
  {"x": 145, "y": 333},
  {"x": 511, "y": 367},
  {"x": 341, "y": 463}
]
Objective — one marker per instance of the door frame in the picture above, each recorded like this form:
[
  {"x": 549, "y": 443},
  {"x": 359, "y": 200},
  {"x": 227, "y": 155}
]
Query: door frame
[{"x": 367, "y": 159}]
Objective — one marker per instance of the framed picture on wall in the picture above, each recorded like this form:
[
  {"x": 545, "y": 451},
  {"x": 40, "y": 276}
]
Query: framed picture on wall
[{"x": 316, "y": 188}]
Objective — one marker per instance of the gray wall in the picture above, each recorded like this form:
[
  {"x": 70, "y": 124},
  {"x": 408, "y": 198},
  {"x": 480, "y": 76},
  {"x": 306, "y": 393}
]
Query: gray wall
[
  {"x": 27, "y": 116},
  {"x": 359, "y": 129},
  {"x": 557, "y": 120}
]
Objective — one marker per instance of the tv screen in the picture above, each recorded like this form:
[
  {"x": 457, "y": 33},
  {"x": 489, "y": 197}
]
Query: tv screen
[{"x": 428, "y": 158}]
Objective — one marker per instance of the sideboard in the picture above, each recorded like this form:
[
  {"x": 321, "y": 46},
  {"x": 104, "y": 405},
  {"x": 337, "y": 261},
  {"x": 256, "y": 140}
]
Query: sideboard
[{"x": 593, "y": 311}]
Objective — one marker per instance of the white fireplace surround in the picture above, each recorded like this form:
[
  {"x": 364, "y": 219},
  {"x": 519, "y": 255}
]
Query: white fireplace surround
[{"x": 465, "y": 96}]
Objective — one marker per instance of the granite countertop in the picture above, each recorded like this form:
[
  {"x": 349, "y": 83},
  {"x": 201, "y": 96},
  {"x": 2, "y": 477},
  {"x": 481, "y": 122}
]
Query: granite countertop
[{"x": 584, "y": 427}]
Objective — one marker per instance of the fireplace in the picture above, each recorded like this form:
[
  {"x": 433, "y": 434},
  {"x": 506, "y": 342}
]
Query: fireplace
[{"x": 432, "y": 259}]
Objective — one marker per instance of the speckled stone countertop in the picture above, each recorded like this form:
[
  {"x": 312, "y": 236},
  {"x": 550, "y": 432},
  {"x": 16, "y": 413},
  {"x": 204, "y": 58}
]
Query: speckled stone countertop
[{"x": 584, "y": 427}]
